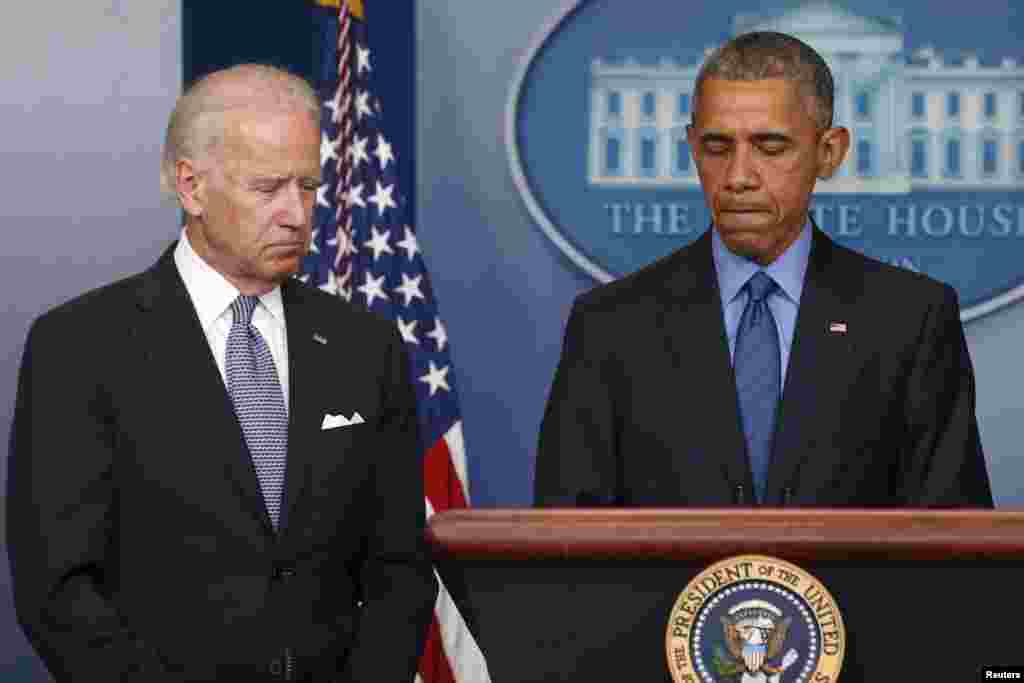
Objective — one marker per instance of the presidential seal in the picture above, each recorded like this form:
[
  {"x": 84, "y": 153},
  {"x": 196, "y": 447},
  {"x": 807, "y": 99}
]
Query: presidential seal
[{"x": 755, "y": 619}]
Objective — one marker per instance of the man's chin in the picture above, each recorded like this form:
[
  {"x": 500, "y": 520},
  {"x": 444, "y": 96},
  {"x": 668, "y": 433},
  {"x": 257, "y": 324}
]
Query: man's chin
[
  {"x": 748, "y": 244},
  {"x": 280, "y": 269}
]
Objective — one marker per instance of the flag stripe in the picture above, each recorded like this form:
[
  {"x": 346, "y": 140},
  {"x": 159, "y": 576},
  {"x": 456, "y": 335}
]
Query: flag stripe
[
  {"x": 440, "y": 480},
  {"x": 457, "y": 451},
  {"x": 460, "y": 647},
  {"x": 434, "y": 665}
]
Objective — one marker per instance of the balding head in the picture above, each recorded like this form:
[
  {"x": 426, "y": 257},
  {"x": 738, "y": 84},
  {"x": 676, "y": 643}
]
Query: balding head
[{"x": 197, "y": 125}]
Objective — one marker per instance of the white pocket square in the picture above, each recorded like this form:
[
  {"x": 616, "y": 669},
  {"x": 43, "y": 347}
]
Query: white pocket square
[{"x": 333, "y": 421}]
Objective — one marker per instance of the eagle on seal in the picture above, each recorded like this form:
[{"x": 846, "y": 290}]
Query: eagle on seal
[{"x": 755, "y": 635}]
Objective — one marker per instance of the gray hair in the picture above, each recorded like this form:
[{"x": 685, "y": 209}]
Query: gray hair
[
  {"x": 766, "y": 54},
  {"x": 196, "y": 127}
]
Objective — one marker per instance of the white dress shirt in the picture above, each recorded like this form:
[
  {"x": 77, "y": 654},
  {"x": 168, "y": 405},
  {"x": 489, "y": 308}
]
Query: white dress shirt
[{"x": 212, "y": 296}]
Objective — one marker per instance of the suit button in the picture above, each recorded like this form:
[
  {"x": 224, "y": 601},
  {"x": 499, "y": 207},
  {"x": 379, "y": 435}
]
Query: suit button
[
  {"x": 284, "y": 573},
  {"x": 276, "y": 667}
]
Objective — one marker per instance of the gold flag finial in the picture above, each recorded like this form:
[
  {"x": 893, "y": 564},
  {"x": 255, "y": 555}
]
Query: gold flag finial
[{"x": 355, "y": 7}]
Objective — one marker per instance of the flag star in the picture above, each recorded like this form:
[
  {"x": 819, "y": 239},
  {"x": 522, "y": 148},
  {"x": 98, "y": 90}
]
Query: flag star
[
  {"x": 382, "y": 198},
  {"x": 438, "y": 334},
  {"x": 331, "y": 286},
  {"x": 321, "y": 195},
  {"x": 357, "y": 152},
  {"x": 379, "y": 243},
  {"x": 334, "y": 104},
  {"x": 362, "y": 59},
  {"x": 436, "y": 378},
  {"x": 363, "y": 105},
  {"x": 383, "y": 152},
  {"x": 373, "y": 289},
  {"x": 328, "y": 148},
  {"x": 410, "y": 243},
  {"x": 355, "y": 197},
  {"x": 314, "y": 248},
  {"x": 408, "y": 330},
  {"x": 410, "y": 288}
]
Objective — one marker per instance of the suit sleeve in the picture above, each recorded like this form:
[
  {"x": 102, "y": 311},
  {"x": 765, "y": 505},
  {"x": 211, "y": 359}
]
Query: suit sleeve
[
  {"x": 576, "y": 453},
  {"x": 397, "y": 578},
  {"x": 943, "y": 459},
  {"x": 61, "y": 508}
]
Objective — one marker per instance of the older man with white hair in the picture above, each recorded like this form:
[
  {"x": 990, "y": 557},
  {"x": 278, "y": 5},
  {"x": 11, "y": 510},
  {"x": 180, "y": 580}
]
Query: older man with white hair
[{"x": 214, "y": 468}]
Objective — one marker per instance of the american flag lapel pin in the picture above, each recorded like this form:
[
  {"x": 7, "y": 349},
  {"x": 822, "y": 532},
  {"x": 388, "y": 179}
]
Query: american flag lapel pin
[
  {"x": 319, "y": 339},
  {"x": 837, "y": 327}
]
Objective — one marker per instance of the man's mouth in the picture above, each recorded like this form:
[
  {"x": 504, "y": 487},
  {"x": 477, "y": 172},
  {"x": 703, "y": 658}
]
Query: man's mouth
[{"x": 286, "y": 249}]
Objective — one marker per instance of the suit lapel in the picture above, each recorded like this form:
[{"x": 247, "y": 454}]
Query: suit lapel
[
  {"x": 695, "y": 335},
  {"x": 175, "y": 346},
  {"x": 309, "y": 353},
  {"x": 820, "y": 358}
]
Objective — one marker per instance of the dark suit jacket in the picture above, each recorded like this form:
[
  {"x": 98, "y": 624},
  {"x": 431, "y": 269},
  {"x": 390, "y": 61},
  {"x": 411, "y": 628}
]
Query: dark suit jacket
[
  {"x": 643, "y": 409},
  {"x": 140, "y": 546}
]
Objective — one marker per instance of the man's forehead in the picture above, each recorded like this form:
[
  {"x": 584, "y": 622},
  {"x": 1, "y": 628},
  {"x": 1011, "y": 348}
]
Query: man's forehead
[
  {"x": 270, "y": 134},
  {"x": 260, "y": 144},
  {"x": 782, "y": 100},
  {"x": 269, "y": 120}
]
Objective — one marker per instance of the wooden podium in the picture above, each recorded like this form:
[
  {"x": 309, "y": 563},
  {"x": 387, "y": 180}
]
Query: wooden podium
[{"x": 585, "y": 595}]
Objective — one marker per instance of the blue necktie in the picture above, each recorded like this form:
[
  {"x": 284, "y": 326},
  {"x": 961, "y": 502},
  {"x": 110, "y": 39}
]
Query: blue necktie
[
  {"x": 758, "y": 377},
  {"x": 255, "y": 391}
]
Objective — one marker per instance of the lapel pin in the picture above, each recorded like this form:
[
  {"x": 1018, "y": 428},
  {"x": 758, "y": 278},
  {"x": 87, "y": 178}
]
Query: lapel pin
[
  {"x": 837, "y": 328},
  {"x": 319, "y": 339}
]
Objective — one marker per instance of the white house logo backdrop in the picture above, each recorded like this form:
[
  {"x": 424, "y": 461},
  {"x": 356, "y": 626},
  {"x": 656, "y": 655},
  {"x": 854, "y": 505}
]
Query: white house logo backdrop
[{"x": 934, "y": 182}]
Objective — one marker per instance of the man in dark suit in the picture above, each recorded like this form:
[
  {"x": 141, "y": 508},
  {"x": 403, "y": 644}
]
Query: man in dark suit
[
  {"x": 214, "y": 468},
  {"x": 764, "y": 364}
]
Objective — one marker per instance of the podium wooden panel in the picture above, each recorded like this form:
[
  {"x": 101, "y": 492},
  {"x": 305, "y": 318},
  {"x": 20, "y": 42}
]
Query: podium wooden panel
[{"x": 585, "y": 595}]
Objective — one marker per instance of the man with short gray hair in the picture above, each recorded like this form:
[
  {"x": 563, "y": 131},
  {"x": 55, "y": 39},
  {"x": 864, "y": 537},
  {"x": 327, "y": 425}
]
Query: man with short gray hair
[
  {"x": 214, "y": 468},
  {"x": 764, "y": 364}
]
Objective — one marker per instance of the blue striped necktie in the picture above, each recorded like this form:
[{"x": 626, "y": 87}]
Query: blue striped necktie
[
  {"x": 758, "y": 377},
  {"x": 255, "y": 391}
]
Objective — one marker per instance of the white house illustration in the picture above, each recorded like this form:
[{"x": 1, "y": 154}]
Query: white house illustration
[{"x": 917, "y": 122}]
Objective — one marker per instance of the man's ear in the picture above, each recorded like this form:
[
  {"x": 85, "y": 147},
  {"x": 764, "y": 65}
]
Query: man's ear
[
  {"x": 832, "y": 149},
  {"x": 189, "y": 184}
]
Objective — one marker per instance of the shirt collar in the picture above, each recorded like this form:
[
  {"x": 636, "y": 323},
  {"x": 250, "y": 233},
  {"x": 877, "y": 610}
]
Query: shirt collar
[
  {"x": 788, "y": 270},
  {"x": 210, "y": 292}
]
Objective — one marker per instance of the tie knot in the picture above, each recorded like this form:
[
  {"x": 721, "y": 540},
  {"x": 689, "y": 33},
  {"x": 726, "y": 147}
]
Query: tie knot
[
  {"x": 242, "y": 308},
  {"x": 760, "y": 286}
]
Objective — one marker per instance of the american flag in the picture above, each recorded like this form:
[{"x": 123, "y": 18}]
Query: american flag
[{"x": 365, "y": 250}]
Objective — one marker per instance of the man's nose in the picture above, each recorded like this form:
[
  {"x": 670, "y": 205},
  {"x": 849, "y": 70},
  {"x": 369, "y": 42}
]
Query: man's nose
[
  {"x": 294, "y": 210},
  {"x": 742, "y": 174}
]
